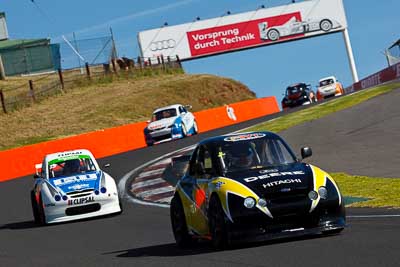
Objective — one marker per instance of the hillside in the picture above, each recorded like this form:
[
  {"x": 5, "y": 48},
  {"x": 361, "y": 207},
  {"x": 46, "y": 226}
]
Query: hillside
[{"x": 107, "y": 105}]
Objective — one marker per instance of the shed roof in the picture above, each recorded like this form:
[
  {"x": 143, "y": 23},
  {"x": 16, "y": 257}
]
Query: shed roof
[{"x": 12, "y": 44}]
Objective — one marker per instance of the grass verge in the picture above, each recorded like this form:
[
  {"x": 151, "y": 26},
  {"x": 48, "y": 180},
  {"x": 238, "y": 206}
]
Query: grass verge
[
  {"x": 383, "y": 192},
  {"x": 316, "y": 112}
]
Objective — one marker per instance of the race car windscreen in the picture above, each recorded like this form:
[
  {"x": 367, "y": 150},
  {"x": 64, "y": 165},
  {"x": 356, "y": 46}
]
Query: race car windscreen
[
  {"x": 251, "y": 154},
  {"x": 294, "y": 90},
  {"x": 326, "y": 82},
  {"x": 163, "y": 114},
  {"x": 68, "y": 167}
]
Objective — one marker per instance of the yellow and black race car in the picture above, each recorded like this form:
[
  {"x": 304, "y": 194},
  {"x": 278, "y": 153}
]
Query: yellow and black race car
[{"x": 252, "y": 186}]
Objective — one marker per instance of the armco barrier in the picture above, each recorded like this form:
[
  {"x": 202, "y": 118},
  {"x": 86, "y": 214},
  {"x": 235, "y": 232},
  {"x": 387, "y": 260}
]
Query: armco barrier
[
  {"x": 385, "y": 75},
  {"x": 21, "y": 161}
]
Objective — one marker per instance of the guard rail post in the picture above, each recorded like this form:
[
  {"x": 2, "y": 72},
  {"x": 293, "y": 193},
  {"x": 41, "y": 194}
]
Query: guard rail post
[
  {"x": 2, "y": 71},
  {"x": 87, "y": 70},
  {"x": 3, "y": 104},
  {"x": 60, "y": 75},
  {"x": 163, "y": 62},
  {"x": 31, "y": 91},
  {"x": 179, "y": 61}
]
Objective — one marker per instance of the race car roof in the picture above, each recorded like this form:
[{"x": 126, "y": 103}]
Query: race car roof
[
  {"x": 238, "y": 137},
  {"x": 175, "y": 106},
  {"x": 67, "y": 154},
  {"x": 329, "y": 77}
]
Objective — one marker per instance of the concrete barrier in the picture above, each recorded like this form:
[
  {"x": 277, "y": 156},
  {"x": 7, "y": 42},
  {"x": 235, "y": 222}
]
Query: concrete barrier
[{"x": 20, "y": 161}]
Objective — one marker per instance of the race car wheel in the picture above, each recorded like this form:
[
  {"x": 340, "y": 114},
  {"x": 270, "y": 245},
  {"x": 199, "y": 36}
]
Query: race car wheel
[
  {"x": 195, "y": 128},
  {"x": 184, "y": 131},
  {"x": 42, "y": 215},
  {"x": 178, "y": 222},
  {"x": 273, "y": 34},
  {"x": 325, "y": 25},
  {"x": 218, "y": 224},
  {"x": 34, "y": 208},
  {"x": 120, "y": 205}
]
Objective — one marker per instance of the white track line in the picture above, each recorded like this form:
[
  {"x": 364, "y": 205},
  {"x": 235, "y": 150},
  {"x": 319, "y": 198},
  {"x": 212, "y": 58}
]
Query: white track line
[{"x": 374, "y": 216}]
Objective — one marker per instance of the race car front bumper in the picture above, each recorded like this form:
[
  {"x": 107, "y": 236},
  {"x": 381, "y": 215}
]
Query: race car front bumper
[
  {"x": 253, "y": 225},
  {"x": 64, "y": 211}
]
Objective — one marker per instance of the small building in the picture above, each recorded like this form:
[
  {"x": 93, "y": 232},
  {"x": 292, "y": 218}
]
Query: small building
[{"x": 24, "y": 56}]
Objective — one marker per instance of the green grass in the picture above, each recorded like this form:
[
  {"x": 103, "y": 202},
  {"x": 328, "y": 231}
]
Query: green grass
[
  {"x": 383, "y": 192},
  {"x": 317, "y": 112}
]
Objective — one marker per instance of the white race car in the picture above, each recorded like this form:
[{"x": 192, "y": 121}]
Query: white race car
[
  {"x": 168, "y": 123},
  {"x": 70, "y": 186},
  {"x": 294, "y": 26}
]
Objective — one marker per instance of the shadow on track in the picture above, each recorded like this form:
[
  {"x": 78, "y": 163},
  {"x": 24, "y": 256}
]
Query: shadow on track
[
  {"x": 204, "y": 247},
  {"x": 19, "y": 225}
]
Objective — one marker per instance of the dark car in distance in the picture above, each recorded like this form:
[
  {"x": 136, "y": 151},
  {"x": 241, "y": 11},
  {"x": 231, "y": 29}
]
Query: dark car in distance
[{"x": 297, "y": 95}]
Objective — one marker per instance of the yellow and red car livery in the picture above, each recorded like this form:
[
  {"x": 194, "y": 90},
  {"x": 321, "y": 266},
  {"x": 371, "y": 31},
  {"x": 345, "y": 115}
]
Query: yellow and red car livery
[{"x": 251, "y": 186}]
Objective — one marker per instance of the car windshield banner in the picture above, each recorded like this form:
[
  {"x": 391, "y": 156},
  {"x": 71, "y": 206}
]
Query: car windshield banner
[{"x": 245, "y": 30}]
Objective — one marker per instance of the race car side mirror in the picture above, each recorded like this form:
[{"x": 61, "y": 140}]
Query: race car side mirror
[
  {"x": 306, "y": 152},
  {"x": 35, "y": 176}
]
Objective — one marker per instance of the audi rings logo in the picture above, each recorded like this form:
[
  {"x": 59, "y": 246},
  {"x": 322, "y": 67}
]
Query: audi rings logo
[{"x": 160, "y": 45}]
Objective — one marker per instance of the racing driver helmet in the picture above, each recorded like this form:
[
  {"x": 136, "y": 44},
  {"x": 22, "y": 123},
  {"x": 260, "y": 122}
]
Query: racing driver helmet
[
  {"x": 242, "y": 155},
  {"x": 71, "y": 166}
]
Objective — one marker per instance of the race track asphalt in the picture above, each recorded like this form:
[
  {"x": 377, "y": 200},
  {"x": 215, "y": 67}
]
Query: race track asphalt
[
  {"x": 362, "y": 140},
  {"x": 142, "y": 235}
]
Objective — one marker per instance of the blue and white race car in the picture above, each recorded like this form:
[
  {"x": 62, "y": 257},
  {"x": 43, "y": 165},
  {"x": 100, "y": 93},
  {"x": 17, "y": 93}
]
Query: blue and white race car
[
  {"x": 168, "y": 123},
  {"x": 70, "y": 186}
]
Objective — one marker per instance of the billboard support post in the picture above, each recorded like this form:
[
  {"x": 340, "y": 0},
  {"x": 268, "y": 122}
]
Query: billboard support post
[{"x": 350, "y": 55}]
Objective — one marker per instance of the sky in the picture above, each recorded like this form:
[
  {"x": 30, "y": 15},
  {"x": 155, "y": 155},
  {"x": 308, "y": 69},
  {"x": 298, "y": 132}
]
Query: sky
[{"x": 373, "y": 26}]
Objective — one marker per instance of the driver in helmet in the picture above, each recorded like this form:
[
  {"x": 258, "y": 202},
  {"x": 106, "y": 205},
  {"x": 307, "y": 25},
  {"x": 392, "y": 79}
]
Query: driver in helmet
[
  {"x": 242, "y": 156},
  {"x": 71, "y": 167}
]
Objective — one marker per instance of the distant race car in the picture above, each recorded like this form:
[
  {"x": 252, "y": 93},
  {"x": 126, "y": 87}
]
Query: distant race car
[
  {"x": 298, "y": 94},
  {"x": 251, "y": 186},
  {"x": 294, "y": 26},
  {"x": 168, "y": 123},
  {"x": 329, "y": 87},
  {"x": 70, "y": 186}
]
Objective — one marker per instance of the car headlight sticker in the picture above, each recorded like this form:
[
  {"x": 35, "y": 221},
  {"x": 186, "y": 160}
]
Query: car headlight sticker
[{"x": 323, "y": 192}]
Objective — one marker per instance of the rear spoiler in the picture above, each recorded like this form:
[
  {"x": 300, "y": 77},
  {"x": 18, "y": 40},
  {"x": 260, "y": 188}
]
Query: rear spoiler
[{"x": 38, "y": 168}]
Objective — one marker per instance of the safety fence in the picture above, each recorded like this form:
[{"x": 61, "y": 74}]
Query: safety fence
[
  {"x": 383, "y": 76},
  {"x": 26, "y": 91},
  {"x": 20, "y": 161}
]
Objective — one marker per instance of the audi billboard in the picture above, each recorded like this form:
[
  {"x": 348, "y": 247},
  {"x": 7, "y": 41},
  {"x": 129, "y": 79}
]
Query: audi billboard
[{"x": 245, "y": 30}]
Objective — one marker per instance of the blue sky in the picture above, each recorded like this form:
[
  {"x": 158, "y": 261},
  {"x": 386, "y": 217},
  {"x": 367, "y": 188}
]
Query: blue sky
[{"x": 373, "y": 26}]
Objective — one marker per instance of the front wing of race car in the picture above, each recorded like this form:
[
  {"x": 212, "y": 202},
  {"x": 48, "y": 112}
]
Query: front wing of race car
[
  {"x": 280, "y": 214},
  {"x": 82, "y": 205}
]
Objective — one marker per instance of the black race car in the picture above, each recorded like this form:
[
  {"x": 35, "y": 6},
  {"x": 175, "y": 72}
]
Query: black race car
[
  {"x": 252, "y": 186},
  {"x": 298, "y": 94}
]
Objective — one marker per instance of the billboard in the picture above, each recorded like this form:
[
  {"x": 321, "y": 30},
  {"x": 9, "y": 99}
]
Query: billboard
[{"x": 245, "y": 30}]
